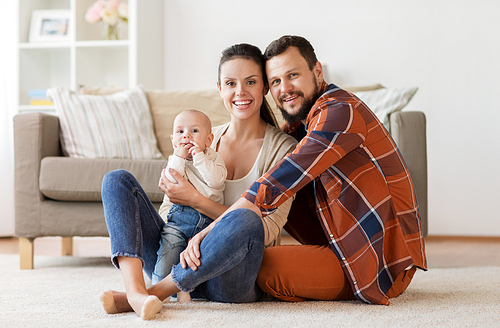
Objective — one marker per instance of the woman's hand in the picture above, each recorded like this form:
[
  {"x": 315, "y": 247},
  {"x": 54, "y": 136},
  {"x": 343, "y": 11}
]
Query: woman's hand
[
  {"x": 182, "y": 192},
  {"x": 191, "y": 255}
]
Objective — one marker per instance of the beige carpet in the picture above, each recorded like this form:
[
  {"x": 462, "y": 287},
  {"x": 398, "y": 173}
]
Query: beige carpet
[{"x": 62, "y": 292}]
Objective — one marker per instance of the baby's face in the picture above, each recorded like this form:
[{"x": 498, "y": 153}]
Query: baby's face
[{"x": 191, "y": 127}]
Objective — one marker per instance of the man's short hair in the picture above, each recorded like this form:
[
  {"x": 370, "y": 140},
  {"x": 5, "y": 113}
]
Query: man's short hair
[{"x": 277, "y": 47}]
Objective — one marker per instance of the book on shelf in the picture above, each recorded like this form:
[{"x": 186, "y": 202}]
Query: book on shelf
[
  {"x": 38, "y": 97},
  {"x": 37, "y": 93},
  {"x": 41, "y": 102}
]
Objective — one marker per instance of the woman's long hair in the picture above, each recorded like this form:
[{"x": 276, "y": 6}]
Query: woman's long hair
[{"x": 248, "y": 51}]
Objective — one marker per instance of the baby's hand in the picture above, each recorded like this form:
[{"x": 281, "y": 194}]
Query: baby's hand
[
  {"x": 195, "y": 149},
  {"x": 182, "y": 151}
]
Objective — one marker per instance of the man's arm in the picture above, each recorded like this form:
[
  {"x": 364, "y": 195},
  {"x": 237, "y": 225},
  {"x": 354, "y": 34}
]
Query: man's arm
[{"x": 334, "y": 131}]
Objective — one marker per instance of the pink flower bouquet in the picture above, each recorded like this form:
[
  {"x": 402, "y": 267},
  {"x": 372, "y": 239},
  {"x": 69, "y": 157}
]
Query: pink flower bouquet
[{"x": 110, "y": 12}]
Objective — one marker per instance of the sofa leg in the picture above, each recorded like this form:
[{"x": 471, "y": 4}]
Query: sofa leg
[
  {"x": 67, "y": 246},
  {"x": 26, "y": 251}
]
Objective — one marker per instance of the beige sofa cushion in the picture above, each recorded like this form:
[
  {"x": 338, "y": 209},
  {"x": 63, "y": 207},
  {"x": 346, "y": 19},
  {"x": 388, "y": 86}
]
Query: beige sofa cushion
[{"x": 79, "y": 179}]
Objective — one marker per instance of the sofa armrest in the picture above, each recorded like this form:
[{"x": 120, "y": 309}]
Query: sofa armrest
[
  {"x": 408, "y": 129},
  {"x": 36, "y": 135}
]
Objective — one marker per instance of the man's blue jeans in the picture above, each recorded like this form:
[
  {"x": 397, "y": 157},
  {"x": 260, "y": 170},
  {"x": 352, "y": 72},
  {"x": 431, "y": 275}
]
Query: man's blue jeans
[
  {"x": 231, "y": 254},
  {"x": 183, "y": 222}
]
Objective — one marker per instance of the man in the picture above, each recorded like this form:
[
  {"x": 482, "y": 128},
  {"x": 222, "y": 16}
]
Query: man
[{"x": 355, "y": 207}]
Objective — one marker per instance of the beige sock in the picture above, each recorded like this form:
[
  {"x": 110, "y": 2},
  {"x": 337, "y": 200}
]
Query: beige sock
[
  {"x": 183, "y": 297},
  {"x": 108, "y": 302},
  {"x": 152, "y": 305}
]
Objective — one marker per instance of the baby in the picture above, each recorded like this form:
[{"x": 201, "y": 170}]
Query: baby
[{"x": 204, "y": 168}]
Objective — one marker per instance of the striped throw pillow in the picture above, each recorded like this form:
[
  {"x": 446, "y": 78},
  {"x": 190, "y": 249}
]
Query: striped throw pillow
[
  {"x": 113, "y": 126},
  {"x": 385, "y": 101}
]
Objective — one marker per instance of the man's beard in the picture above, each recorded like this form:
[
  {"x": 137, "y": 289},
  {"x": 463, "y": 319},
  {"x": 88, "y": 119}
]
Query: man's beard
[{"x": 304, "y": 110}]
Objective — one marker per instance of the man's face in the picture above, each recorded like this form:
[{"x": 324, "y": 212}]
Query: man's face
[{"x": 294, "y": 87}]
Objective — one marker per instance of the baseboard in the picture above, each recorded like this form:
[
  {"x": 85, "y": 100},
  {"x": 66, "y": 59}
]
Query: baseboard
[{"x": 472, "y": 239}]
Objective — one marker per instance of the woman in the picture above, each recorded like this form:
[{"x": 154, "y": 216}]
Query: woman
[{"x": 227, "y": 259}]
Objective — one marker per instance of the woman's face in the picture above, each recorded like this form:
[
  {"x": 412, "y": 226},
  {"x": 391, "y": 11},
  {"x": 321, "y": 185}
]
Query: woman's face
[{"x": 242, "y": 87}]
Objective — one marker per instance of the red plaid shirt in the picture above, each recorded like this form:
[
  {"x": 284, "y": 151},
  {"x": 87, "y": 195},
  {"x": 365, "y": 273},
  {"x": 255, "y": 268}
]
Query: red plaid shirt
[{"x": 363, "y": 194}]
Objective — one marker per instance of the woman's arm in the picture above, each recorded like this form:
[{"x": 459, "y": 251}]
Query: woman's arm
[
  {"x": 273, "y": 224},
  {"x": 183, "y": 193}
]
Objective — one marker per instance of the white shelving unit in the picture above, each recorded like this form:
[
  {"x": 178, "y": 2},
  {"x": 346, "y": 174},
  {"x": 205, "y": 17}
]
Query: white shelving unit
[{"x": 85, "y": 58}]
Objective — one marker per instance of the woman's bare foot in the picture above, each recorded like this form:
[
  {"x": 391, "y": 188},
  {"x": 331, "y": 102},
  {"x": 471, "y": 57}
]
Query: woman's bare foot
[
  {"x": 152, "y": 305},
  {"x": 117, "y": 302},
  {"x": 108, "y": 302},
  {"x": 114, "y": 302},
  {"x": 145, "y": 306}
]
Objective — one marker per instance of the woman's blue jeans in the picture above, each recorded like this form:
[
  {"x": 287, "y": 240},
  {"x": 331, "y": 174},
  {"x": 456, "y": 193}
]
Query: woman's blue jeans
[{"x": 231, "y": 254}]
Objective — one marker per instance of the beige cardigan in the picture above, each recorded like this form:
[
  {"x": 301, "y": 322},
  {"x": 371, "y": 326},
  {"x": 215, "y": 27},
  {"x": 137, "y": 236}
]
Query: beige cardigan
[{"x": 276, "y": 145}]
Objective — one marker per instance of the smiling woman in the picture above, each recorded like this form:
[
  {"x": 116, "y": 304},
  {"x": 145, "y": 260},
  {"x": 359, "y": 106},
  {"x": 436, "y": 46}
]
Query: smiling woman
[{"x": 7, "y": 103}]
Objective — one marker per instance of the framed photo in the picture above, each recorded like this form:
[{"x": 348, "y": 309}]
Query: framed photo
[{"x": 50, "y": 25}]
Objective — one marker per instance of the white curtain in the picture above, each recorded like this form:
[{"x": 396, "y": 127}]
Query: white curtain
[{"x": 8, "y": 35}]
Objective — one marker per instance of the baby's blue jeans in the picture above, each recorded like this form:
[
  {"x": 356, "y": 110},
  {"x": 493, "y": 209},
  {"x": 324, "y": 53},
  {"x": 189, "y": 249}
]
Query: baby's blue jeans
[{"x": 183, "y": 222}]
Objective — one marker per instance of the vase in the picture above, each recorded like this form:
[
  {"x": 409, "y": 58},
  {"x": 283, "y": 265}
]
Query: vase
[{"x": 110, "y": 32}]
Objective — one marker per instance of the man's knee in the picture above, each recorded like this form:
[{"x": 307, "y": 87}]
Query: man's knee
[{"x": 271, "y": 278}]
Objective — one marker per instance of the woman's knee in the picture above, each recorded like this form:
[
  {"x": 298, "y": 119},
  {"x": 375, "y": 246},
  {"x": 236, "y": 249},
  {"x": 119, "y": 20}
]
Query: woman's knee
[
  {"x": 112, "y": 177},
  {"x": 112, "y": 180},
  {"x": 246, "y": 222}
]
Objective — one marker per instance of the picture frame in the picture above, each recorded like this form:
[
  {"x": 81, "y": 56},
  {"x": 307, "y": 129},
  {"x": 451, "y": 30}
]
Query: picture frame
[{"x": 50, "y": 25}]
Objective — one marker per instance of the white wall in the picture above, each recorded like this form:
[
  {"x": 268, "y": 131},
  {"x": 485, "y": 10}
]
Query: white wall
[
  {"x": 449, "y": 49},
  {"x": 7, "y": 81}
]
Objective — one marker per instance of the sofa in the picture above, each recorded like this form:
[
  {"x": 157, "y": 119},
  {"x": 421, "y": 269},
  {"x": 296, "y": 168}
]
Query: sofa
[{"x": 60, "y": 195}]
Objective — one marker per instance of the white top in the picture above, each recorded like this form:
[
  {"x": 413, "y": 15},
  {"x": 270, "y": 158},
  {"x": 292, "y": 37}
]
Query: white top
[
  {"x": 235, "y": 188},
  {"x": 275, "y": 146},
  {"x": 206, "y": 172}
]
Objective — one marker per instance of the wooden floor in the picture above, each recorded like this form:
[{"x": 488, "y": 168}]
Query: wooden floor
[{"x": 441, "y": 251}]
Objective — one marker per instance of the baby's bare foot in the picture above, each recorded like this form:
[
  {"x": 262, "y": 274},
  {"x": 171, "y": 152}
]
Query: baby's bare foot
[
  {"x": 183, "y": 297},
  {"x": 151, "y": 306}
]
